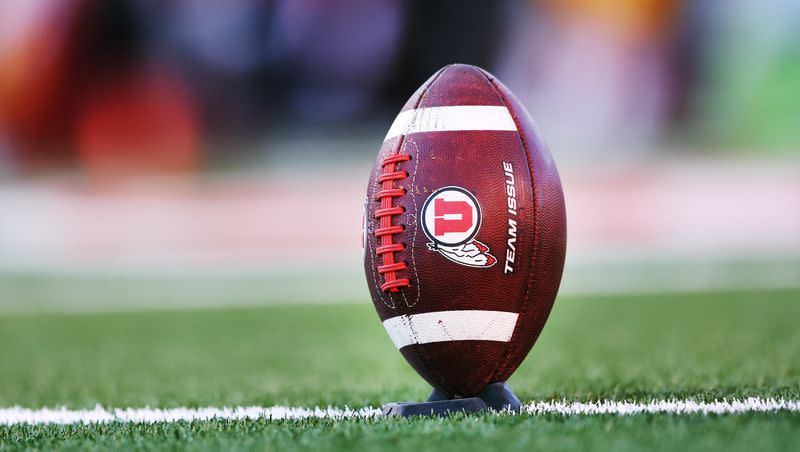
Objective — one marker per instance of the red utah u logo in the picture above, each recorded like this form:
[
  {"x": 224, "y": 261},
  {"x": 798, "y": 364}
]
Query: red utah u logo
[{"x": 451, "y": 216}]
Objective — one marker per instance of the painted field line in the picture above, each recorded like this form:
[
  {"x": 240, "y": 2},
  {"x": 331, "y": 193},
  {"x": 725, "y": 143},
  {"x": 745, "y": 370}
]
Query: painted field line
[
  {"x": 673, "y": 406},
  {"x": 18, "y": 415}
]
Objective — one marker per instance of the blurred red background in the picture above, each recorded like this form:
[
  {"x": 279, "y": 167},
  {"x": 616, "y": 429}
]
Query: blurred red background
[{"x": 143, "y": 134}]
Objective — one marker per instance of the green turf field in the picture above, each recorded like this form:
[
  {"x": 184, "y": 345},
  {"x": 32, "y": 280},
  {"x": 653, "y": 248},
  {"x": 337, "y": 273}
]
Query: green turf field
[{"x": 705, "y": 346}]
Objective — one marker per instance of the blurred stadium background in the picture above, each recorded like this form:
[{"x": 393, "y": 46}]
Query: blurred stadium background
[{"x": 210, "y": 153}]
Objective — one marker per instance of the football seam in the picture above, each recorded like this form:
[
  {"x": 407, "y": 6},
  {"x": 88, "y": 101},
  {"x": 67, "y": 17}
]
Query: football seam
[
  {"x": 419, "y": 349},
  {"x": 503, "y": 364},
  {"x": 372, "y": 249},
  {"x": 413, "y": 187}
]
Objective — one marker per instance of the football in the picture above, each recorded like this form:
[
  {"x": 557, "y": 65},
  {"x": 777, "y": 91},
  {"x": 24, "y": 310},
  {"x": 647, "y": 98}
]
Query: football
[{"x": 464, "y": 231}]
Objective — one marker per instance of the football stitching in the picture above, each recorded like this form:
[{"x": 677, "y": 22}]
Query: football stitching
[
  {"x": 488, "y": 326},
  {"x": 501, "y": 367},
  {"x": 444, "y": 328},
  {"x": 416, "y": 221},
  {"x": 407, "y": 322},
  {"x": 390, "y": 174},
  {"x": 374, "y": 268},
  {"x": 420, "y": 349}
]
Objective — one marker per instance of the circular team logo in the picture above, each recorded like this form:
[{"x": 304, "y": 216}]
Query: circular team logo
[{"x": 451, "y": 216}]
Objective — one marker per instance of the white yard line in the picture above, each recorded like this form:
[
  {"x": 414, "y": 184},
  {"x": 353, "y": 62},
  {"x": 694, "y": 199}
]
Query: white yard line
[
  {"x": 725, "y": 406},
  {"x": 17, "y": 415}
]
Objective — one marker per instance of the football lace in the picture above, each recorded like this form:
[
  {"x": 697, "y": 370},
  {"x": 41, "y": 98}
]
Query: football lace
[{"x": 387, "y": 230}]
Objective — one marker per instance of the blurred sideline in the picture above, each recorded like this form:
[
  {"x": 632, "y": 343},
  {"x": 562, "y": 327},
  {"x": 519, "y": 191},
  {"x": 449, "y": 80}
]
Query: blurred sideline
[{"x": 290, "y": 233}]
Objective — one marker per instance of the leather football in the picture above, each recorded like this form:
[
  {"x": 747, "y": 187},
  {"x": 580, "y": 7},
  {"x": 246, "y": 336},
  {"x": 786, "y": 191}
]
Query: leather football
[{"x": 464, "y": 231}]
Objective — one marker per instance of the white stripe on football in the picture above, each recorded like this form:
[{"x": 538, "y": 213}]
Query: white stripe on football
[
  {"x": 445, "y": 326},
  {"x": 452, "y": 118}
]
